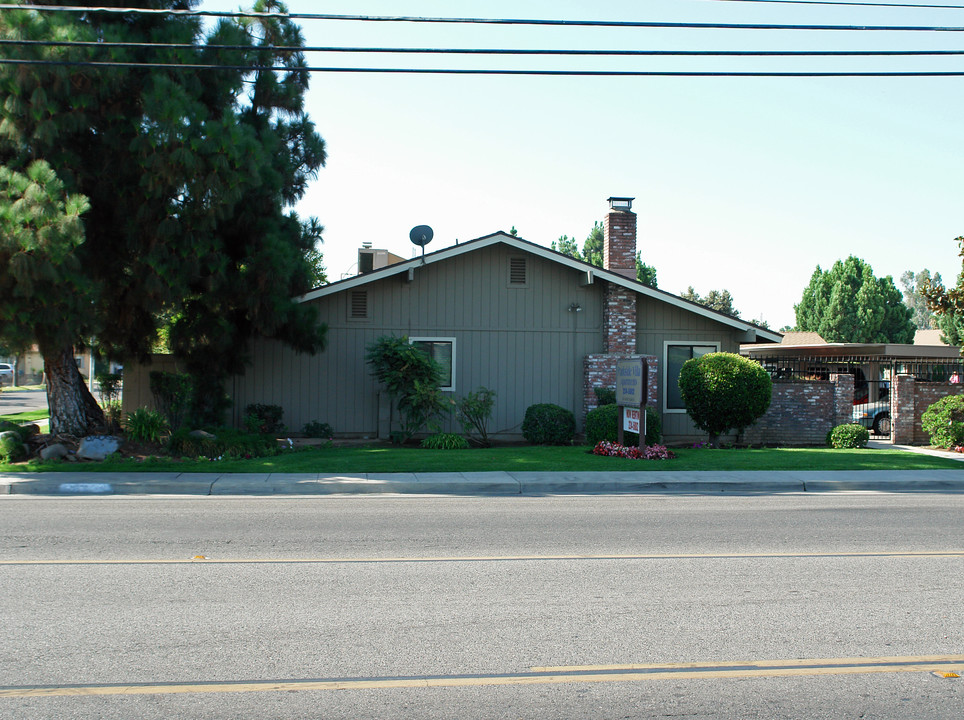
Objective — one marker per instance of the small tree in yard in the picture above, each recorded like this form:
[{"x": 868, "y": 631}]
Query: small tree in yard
[
  {"x": 723, "y": 391},
  {"x": 475, "y": 410},
  {"x": 413, "y": 381}
]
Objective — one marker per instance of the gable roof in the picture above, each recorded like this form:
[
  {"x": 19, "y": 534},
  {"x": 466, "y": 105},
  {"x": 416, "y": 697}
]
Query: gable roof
[
  {"x": 591, "y": 272},
  {"x": 928, "y": 337},
  {"x": 798, "y": 337}
]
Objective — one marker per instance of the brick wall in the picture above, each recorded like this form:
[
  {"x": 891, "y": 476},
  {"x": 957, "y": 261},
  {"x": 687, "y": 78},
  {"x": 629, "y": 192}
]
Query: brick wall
[
  {"x": 802, "y": 413},
  {"x": 619, "y": 320},
  {"x": 911, "y": 399},
  {"x": 600, "y": 371}
]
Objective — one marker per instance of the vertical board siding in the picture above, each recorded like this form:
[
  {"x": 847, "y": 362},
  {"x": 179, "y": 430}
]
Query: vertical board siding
[{"x": 521, "y": 342}]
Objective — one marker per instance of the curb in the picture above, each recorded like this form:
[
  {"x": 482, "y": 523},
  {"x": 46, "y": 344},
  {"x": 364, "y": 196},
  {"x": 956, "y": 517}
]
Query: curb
[{"x": 479, "y": 483}]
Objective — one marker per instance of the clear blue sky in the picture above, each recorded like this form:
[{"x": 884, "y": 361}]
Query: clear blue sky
[{"x": 745, "y": 184}]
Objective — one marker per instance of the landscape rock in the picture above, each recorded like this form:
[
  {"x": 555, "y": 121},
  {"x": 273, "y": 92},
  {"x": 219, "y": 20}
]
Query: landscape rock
[
  {"x": 202, "y": 435},
  {"x": 98, "y": 447},
  {"x": 53, "y": 451}
]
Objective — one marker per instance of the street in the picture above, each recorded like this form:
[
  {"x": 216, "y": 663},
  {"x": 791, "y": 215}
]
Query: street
[{"x": 827, "y": 605}]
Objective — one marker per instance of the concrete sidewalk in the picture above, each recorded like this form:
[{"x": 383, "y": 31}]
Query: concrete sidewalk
[{"x": 482, "y": 483}]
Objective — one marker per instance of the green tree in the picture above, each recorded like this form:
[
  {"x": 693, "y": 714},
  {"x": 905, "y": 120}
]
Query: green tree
[
  {"x": 948, "y": 304},
  {"x": 187, "y": 175},
  {"x": 911, "y": 283},
  {"x": 849, "y": 304},
  {"x": 43, "y": 282},
  {"x": 723, "y": 391},
  {"x": 592, "y": 253},
  {"x": 719, "y": 300}
]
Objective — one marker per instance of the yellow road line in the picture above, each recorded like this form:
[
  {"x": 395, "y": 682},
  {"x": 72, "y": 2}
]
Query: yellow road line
[
  {"x": 200, "y": 559},
  {"x": 538, "y": 676}
]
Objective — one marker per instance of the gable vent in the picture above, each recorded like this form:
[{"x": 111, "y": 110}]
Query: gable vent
[
  {"x": 358, "y": 308},
  {"x": 517, "y": 271}
]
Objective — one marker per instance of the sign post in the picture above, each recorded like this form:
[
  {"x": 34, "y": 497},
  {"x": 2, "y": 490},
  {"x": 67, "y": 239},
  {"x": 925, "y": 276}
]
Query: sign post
[{"x": 631, "y": 392}]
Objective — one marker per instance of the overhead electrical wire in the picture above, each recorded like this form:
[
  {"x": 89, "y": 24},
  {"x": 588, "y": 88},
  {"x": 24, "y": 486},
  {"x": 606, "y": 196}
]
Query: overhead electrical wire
[
  {"x": 488, "y": 21},
  {"x": 483, "y": 51},
  {"x": 486, "y": 71},
  {"x": 926, "y": 6}
]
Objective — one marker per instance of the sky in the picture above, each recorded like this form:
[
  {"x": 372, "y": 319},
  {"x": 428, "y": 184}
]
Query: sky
[{"x": 743, "y": 184}]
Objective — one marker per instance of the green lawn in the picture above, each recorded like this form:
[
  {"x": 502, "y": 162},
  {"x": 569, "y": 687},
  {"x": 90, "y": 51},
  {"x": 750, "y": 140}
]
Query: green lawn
[
  {"x": 382, "y": 458},
  {"x": 28, "y": 416}
]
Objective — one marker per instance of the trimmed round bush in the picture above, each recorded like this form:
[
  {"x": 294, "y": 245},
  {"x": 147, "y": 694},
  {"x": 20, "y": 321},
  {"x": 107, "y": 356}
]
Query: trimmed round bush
[
  {"x": 944, "y": 422},
  {"x": 723, "y": 392},
  {"x": 11, "y": 447},
  {"x": 602, "y": 424},
  {"x": 548, "y": 424},
  {"x": 850, "y": 435}
]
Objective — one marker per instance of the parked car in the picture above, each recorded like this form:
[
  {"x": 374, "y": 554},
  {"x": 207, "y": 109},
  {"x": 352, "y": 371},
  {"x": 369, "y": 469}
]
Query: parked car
[
  {"x": 6, "y": 374},
  {"x": 874, "y": 416}
]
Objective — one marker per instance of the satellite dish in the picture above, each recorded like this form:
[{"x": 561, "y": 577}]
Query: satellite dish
[{"x": 421, "y": 235}]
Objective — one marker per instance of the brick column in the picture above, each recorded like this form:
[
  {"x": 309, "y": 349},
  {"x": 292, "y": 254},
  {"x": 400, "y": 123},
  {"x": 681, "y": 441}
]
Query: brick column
[
  {"x": 903, "y": 399},
  {"x": 843, "y": 398},
  {"x": 600, "y": 371}
]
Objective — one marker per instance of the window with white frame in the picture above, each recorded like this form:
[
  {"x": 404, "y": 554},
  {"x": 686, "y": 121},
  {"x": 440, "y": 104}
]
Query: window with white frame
[
  {"x": 442, "y": 351},
  {"x": 678, "y": 353}
]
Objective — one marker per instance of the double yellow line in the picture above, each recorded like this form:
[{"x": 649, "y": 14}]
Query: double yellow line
[{"x": 944, "y": 665}]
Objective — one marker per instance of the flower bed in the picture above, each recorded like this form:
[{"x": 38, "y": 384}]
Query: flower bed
[{"x": 651, "y": 452}]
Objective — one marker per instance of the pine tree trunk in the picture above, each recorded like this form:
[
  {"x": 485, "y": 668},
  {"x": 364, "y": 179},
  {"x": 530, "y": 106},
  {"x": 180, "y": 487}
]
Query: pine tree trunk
[{"x": 73, "y": 410}]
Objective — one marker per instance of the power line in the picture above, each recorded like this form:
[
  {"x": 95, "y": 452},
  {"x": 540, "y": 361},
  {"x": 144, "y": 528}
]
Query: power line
[
  {"x": 851, "y": 4},
  {"x": 482, "y": 51},
  {"x": 487, "y": 71},
  {"x": 487, "y": 21}
]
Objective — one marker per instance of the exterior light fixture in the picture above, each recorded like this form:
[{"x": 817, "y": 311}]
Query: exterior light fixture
[{"x": 575, "y": 307}]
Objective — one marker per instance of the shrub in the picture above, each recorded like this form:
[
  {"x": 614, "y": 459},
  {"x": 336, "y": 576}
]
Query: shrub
[
  {"x": 227, "y": 443},
  {"x": 445, "y": 441},
  {"x": 944, "y": 421},
  {"x": 723, "y": 391},
  {"x": 145, "y": 425},
  {"x": 264, "y": 419},
  {"x": 548, "y": 424},
  {"x": 11, "y": 446},
  {"x": 412, "y": 379},
  {"x": 172, "y": 396},
  {"x": 605, "y": 396},
  {"x": 602, "y": 424},
  {"x": 315, "y": 429},
  {"x": 109, "y": 384},
  {"x": 850, "y": 435},
  {"x": 475, "y": 411}
]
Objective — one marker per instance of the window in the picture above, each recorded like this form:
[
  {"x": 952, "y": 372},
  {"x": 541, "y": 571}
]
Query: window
[
  {"x": 676, "y": 355},
  {"x": 442, "y": 351}
]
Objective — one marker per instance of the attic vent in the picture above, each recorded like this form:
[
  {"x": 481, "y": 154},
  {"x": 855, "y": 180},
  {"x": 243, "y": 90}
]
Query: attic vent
[
  {"x": 517, "y": 271},
  {"x": 358, "y": 307}
]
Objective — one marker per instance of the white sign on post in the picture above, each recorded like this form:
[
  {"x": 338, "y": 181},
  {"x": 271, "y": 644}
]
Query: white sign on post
[{"x": 631, "y": 420}]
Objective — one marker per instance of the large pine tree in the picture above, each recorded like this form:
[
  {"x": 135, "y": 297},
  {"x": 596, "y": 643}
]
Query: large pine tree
[
  {"x": 849, "y": 304},
  {"x": 187, "y": 176}
]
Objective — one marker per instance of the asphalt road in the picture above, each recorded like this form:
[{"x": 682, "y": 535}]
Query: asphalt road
[
  {"x": 16, "y": 401},
  {"x": 803, "y": 606}
]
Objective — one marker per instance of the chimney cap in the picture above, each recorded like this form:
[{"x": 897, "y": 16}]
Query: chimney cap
[{"x": 621, "y": 203}]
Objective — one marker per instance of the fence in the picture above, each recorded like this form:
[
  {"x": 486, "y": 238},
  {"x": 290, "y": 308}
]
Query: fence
[{"x": 803, "y": 412}]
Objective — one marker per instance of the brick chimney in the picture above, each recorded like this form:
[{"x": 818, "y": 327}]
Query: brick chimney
[{"x": 619, "y": 237}]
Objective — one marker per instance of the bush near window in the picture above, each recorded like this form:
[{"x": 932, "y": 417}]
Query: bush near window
[
  {"x": 445, "y": 441},
  {"x": 850, "y": 435},
  {"x": 413, "y": 380},
  {"x": 602, "y": 424},
  {"x": 723, "y": 392},
  {"x": 944, "y": 422},
  {"x": 548, "y": 424}
]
